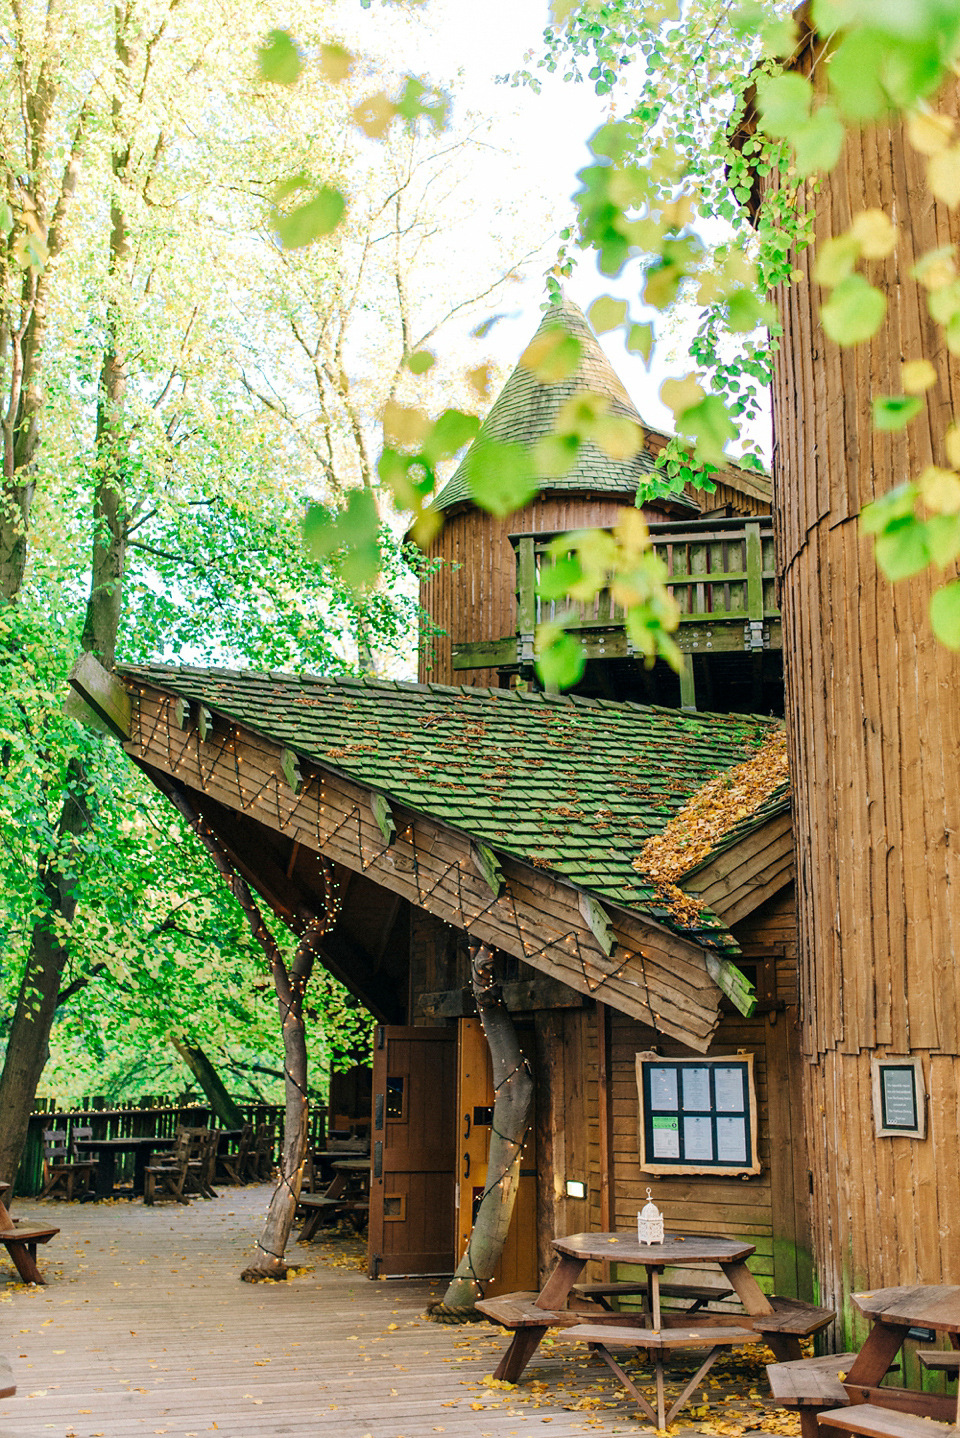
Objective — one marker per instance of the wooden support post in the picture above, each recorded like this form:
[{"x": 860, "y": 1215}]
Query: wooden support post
[
  {"x": 526, "y": 597},
  {"x": 605, "y": 1125},
  {"x": 688, "y": 686},
  {"x": 754, "y": 573}
]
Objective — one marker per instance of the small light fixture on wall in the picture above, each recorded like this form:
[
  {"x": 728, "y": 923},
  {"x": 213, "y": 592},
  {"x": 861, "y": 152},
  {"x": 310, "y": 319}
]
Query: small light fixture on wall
[{"x": 575, "y": 1188}]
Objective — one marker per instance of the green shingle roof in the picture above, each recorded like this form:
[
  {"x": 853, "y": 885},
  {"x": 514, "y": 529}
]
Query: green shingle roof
[
  {"x": 526, "y": 409},
  {"x": 572, "y": 785}
]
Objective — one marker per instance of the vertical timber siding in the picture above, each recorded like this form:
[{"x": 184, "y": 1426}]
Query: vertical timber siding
[{"x": 873, "y": 712}]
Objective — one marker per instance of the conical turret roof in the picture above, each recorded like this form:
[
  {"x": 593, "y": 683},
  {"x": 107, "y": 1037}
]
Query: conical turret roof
[{"x": 526, "y": 410}]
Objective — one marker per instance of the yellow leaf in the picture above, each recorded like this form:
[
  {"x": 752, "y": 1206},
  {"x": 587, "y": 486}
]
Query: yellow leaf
[
  {"x": 480, "y": 379},
  {"x": 930, "y": 133},
  {"x": 561, "y": 10},
  {"x": 952, "y": 440},
  {"x": 940, "y": 489},
  {"x": 551, "y": 356},
  {"x": 374, "y": 114},
  {"x": 335, "y": 63},
  {"x": 918, "y": 376},
  {"x": 618, "y": 437},
  {"x": 606, "y": 313},
  {"x": 404, "y": 425},
  {"x": 943, "y": 175},
  {"x": 876, "y": 233},
  {"x": 681, "y": 394}
]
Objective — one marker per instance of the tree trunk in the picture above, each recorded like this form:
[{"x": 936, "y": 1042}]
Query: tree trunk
[
  {"x": 28, "y": 1045},
  {"x": 513, "y": 1101},
  {"x": 872, "y": 717},
  {"x": 290, "y": 988},
  {"x": 210, "y": 1082}
]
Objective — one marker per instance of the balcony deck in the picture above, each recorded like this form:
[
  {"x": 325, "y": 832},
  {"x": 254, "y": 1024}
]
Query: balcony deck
[
  {"x": 144, "y": 1328},
  {"x": 721, "y": 573}
]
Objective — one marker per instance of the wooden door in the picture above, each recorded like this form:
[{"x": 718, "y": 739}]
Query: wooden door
[
  {"x": 413, "y": 1151},
  {"x": 518, "y": 1265}
]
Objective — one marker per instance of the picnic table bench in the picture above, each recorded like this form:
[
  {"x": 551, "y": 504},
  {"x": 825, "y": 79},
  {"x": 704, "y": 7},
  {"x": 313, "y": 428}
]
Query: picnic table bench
[
  {"x": 697, "y": 1294},
  {"x": 20, "y": 1241},
  {"x": 7, "y": 1386},
  {"x": 810, "y": 1386}
]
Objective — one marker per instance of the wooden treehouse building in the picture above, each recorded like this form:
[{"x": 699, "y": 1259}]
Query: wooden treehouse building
[{"x": 659, "y": 1018}]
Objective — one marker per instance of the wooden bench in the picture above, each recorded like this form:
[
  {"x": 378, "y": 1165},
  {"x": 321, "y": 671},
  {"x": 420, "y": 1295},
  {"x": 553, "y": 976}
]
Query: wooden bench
[
  {"x": 21, "y": 1244},
  {"x": 7, "y": 1386},
  {"x": 940, "y": 1360},
  {"x": 869, "y": 1420},
  {"x": 319, "y": 1206},
  {"x": 790, "y": 1321},
  {"x": 599, "y": 1337},
  {"x": 810, "y": 1386},
  {"x": 600, "y": 1292}
]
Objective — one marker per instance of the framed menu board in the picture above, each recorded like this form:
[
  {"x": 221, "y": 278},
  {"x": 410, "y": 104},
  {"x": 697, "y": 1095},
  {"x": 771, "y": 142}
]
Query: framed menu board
[
  {"x": 899, "y": 1109},
  {"x": 697, "y": 1115}
]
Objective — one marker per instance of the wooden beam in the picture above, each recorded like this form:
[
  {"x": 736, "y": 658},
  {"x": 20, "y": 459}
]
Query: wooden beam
[
  {"x": 598, "y": 922},
  {"x": 76, "y": 708},
  {"x": 732, "y": 982},
  {"x": 104, "y": 693},
  {"x": 521, "y": 997},
  {"x": 488, "y": 867},
  {"x": 383, "y": 814}
]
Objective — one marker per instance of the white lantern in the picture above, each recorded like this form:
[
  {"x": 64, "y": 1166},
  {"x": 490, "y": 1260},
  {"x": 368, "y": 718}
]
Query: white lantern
[{"x": 650, "y": 1222}]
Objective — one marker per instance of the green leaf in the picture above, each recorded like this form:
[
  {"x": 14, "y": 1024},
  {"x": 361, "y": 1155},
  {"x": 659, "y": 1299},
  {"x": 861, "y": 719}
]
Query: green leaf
[
  {"x": 560, "y": 658},
  {"x": 279, "y": 59},
  {"x": 554, "y": 454},
  {"x": 943, "y": 538},
  {"x": 710, "y": 426},
  {"x": 557, "y": 580},
  {"x": 836, "y": 259},
  {"x": 501, "y": 476},
  {"x": 784, "y": 103},
  {"x": 451, "y": 432},
  {"x": 855, "y": 70},
  {"x": 319, "y": 532},
  {"x": 6, "y": 217},
  {"x": 745, "y": 311},
  {"x": 818, "y": 143},
  {"x": 420, "y": 362},
  {"x": 945, "y": 614},
  {"x": 417, "y": 100},
  {"x": 640, "y": 340},
  {"x": 302, "y": 224},
  {"x": 895, "y": 411},
  {"x": 854, "y": 312},
  {"x": 884, "y": 512},
  {"x": 902, "y": 549},
  {"x": 606, "y": 313}
]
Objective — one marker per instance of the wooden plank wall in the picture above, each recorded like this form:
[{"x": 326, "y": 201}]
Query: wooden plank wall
[
  {"x": 874, "y": 728},
  {"x": 769, "y": 1210}
]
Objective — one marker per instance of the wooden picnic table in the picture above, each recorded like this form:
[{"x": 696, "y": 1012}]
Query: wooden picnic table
[
  {"x": 20, "y": 1240},
  {"x": 899, "y": 1412},
  {"x": 106, "y": 1149}
]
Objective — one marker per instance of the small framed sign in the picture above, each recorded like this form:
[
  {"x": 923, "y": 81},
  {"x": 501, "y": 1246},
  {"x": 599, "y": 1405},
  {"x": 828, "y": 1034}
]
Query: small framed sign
[{"x": 899, "y": 1109}]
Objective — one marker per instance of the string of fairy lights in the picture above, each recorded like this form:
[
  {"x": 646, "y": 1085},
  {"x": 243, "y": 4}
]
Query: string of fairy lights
[{"x": 311, "y": 811}]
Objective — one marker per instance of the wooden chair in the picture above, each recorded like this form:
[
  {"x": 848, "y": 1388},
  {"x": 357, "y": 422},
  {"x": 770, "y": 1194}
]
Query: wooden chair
[
  {"x": 260, "y": 1158},
  {"x": 59, "y": 1170},
  {"x": 233, "y": 1165},
  {"x": 168, "y": 1176}
]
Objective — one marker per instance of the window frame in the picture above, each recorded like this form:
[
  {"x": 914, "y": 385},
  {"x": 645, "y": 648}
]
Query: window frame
[{"x": 697, "y": 1167}]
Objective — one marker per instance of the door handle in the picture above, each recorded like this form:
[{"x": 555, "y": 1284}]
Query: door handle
[
  {"x": 466, "y": 1120},
  {"x": 466, "y": 1165}
]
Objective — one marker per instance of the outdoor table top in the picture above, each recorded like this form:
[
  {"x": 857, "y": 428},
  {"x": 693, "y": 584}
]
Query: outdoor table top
[
  {"x": 920, "y": 1305},
  {"x": 130, "y": 1143},
  {"x": 676, "y": 1248},
  {"x": 352, "y": 1165}
]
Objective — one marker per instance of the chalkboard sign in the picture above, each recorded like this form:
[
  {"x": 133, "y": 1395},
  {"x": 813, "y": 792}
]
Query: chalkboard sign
[
  {"x": 697, "y": 1115},
  {"x": 898, "y": 1097}
]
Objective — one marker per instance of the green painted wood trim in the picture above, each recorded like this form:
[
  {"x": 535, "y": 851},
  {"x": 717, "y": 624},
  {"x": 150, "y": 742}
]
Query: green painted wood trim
[
  {"x": 526, "y": 587},
  {"x": 595, "y": 917},
  {"x": 488, "y": 867},
  {"x": 688, "y": 685},
  {"x": 181, "y": 712},
  {"x": 384, "y": 816},
  {"x": 290, "y": 764},
  {"x": 104, "y": 693},
  {"x": 204, "y": 723},
  {"x": 754, "y": 572},
  {"x": 731, "y": 981},
  {"x": 485, "y": 654}
]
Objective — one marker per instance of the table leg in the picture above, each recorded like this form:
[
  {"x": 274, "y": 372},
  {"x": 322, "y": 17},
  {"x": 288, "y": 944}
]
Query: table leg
[
  {"x": 628, "y": 1383},
  {"x": 525, "y": 1343},
  {"x": 700, "y": 1373},
  {"x": 106, "y": 1172},
  {"x": 786, "y": 1347},
  {"x": 142, "y": 1155},
  {"x": 24, "y": 1256},
  {"x": 661, "y": 1418},
  {"x": 747, "y": 1289},
  {"x": 882, "y": 1346},
  {"x": 557, "y": 1287},
  {"x": 653, "y": 1277}
]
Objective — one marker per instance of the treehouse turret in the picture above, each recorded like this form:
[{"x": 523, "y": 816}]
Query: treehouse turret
[{"x": 482, "y": 598}]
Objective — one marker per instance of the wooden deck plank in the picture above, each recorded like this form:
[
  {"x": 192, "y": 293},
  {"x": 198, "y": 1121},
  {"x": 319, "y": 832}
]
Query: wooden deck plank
[{"x": 144, "y": 1328}]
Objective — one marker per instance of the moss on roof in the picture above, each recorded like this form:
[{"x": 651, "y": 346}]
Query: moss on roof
[
  {"x": 574, "y": 786},
  {"x": 526, "y": 410}
]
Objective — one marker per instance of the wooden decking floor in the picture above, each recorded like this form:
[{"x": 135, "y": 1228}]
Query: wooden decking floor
[{"x": 144, "y": 1328}]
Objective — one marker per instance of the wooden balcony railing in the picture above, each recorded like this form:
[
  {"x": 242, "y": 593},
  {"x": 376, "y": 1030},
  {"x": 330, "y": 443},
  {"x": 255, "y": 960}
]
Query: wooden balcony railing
[{"x": 721, "y": 573}]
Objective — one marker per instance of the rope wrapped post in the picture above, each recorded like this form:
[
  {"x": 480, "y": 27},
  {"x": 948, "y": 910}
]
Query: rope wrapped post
[
  {"x": 513, "y": 1102},
  {"x": 290, "y": 987}
]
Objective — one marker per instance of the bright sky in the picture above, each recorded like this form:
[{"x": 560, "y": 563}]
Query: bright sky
[{"x": 547, "y": 133}]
